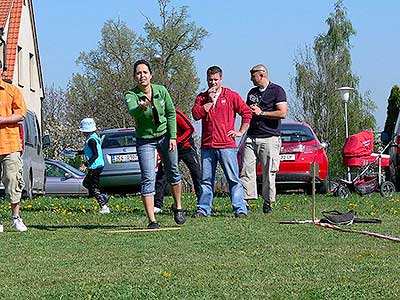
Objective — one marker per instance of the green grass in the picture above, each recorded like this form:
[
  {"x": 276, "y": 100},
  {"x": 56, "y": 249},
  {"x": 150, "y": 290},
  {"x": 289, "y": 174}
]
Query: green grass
[{"x": 67, "y": 254}]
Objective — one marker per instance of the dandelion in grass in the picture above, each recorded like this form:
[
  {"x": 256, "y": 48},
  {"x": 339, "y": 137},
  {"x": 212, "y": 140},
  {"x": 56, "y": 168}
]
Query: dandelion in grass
[
  {"x": 353, "y": 206},
  {"x": 166, "y": 274}
]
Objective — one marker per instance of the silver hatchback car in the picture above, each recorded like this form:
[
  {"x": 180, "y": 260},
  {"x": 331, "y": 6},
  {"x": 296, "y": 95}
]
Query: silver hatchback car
[
  {"x": 121, "y": 171},
  {"x": 63, "y": 179}
]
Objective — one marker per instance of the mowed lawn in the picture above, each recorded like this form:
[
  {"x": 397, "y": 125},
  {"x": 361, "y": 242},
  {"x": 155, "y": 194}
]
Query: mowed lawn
[{"x": 69, "y": 253}]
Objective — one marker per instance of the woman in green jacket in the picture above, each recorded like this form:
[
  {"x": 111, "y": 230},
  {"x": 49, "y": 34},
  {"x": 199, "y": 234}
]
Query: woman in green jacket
[{"x": 155, "y": 117}]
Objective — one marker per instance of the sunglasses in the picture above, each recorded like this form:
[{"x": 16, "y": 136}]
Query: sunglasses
[{"x": 255, "y": 71}]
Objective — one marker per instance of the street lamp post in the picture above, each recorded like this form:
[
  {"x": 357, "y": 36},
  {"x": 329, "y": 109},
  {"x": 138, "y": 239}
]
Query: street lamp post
[{"x": 345, "y": 91}]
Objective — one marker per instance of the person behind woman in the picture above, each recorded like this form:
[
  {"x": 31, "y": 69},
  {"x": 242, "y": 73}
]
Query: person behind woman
[{"x": 153, "y": 111}]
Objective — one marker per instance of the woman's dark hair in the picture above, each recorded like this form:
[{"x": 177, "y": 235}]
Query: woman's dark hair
[{"x": 142, "y": 62}]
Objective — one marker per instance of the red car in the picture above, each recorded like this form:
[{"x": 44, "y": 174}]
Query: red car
[{"x": 300, "y": 147}]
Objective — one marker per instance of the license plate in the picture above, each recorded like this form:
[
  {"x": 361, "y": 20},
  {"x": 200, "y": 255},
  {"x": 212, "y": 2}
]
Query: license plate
[
  {"x": 123, "y": 158},
  {"x": 286, "y": 157}
]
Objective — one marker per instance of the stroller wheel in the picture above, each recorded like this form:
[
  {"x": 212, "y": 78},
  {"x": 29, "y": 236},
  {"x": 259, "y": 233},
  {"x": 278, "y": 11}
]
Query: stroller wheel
[
  {"x": 387, "y": 189},
  {"x": 342, "y": 191}
]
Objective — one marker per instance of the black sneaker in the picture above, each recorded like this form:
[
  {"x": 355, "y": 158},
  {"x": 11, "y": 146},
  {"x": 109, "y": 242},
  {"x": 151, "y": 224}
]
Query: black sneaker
[
  {"x": 267, "y": 208},
  {"x": 153, "y": 225},
  {"x": 198, "y": 214},
  {"x": 103, "y": 199},
  {"x": 241, "y": 215},
  {"x": 179, "y": 215}
]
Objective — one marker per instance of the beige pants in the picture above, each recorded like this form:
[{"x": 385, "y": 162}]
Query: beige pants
[
  {"x": 11, "y": 176},
  {"x": 266, "y": 151}
]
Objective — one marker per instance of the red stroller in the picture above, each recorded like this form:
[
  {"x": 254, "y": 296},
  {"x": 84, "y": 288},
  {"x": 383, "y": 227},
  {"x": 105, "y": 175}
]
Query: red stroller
[{"x": 358, "y": 153}]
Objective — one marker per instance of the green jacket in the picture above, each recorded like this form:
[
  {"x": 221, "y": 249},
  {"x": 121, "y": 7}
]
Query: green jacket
[{"x": 146, "y": 126}]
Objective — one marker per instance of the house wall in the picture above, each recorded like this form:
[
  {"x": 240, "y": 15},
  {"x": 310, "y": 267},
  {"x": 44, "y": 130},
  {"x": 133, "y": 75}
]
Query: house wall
[{"x": 26, "y": 73}]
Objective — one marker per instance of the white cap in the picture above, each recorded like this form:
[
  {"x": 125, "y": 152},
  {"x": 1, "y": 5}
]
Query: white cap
[{"x": 88, "y": 125}]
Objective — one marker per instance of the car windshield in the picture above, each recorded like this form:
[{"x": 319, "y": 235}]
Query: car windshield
[
  {"x": 296, "y": 133},
  {"x": 71, "y": 168},
  {"x": 119, "y": 139}
]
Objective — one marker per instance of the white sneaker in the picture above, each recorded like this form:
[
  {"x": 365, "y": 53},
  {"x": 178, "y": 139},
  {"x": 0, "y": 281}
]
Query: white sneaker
[
  {"x": 104, "y": 210},
  {"x": 157, "y": 210},
  {"x": 1, "y": 227},
  {"x": 19, "y": 225}
]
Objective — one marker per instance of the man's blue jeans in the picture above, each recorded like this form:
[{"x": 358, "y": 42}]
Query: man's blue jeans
[
  {"x": 146, "y": 150},
  {"x": 227, "y": 158}
]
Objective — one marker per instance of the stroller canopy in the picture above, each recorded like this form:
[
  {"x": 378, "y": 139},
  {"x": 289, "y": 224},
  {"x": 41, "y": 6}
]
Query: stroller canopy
[
  {"x": 358, "y": 148},
  {"x": 358, "y": 145}
]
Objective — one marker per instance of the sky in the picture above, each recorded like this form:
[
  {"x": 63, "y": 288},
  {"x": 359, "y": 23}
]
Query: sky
[{"x": 241, "y": 34}]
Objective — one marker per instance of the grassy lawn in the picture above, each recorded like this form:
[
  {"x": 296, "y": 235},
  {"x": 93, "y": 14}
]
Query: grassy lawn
[{"x": 68, "y": 254}]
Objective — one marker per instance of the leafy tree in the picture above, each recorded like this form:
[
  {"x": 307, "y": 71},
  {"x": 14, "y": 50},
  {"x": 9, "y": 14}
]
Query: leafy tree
[
  {"x": 170, "y": 47},
  {"x": 320, "y": 71},
  {"x": 107, "y": 74},
  {"x": 392, "y": 110},
  {"x": 64, "y": 134},
  {"x": 107, "y": 71}
]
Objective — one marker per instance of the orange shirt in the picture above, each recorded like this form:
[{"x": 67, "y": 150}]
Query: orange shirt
[{"x": 11, "y": 102}]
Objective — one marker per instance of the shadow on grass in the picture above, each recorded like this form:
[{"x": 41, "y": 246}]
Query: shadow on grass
[{"x": 84, "y": 226}]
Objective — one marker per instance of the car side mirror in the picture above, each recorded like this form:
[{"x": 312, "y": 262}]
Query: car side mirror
[
  {"x": 324, "y": 145},
  {"x": 68, "y": 175},
  {"x": 46, "y": 141}
]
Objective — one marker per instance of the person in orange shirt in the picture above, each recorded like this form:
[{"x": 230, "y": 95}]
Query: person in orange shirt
[{"x": 12, "y": 111}]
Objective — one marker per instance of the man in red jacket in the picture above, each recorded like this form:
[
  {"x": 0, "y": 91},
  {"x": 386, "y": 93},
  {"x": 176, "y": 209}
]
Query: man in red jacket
[
  {"x": 217, "y": 108},
  {"x": 187, "y": 153}
]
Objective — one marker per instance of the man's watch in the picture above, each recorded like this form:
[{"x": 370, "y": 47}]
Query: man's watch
[{"x": 262, "y": 113}]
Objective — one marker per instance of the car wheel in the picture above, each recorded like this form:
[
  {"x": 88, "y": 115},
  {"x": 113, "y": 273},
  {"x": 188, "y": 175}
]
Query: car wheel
[
  {"x": 342, "y": 191},
  {"x": 387, "y": 189},
  {"x": 322, "y": 187}
]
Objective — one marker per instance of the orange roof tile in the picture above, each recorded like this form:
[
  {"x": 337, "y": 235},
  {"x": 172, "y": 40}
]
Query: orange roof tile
[
  {"x": 5, "y": 6},
  {"x": 11, "y": 11},
  {"x": 12, "y": 38}
]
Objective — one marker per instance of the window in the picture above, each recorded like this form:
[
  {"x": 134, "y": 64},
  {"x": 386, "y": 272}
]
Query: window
[
  {"x": 54, "y": 171},
  {"x": 31, "y": 72},
  {"x": 20, "y": 66},
  {"x": 296, "y": 133},
  {"x": 119, "y": 139}
]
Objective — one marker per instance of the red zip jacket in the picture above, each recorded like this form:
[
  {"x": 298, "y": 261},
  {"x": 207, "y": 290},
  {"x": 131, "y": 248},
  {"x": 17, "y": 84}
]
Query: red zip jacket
[
  {"x": 184, "y": 130},
  {"x": 220, "y": 119}
]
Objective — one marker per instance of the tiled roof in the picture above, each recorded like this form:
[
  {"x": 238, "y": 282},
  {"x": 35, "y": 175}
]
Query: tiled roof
[
  {"x": 12, "y": 37},
  {"x": 11, "y": 11},
  {"x": 5, "y": 6}
]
